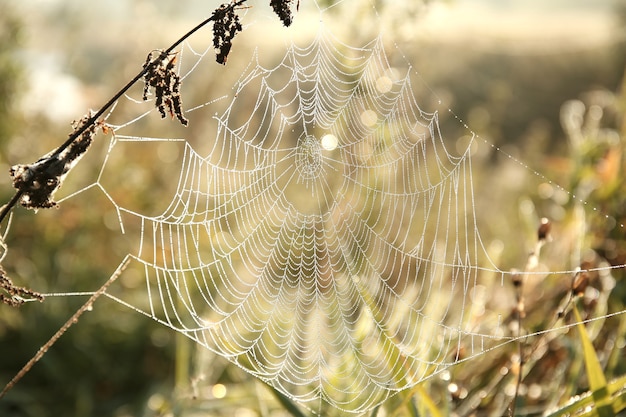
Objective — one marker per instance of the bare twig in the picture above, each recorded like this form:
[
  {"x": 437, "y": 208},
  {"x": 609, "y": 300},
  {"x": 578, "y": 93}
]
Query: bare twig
[
  {"x": 6, "y": 209},
  {"x": 85, "y": 307},
  {"x": 518, "y": 283}
]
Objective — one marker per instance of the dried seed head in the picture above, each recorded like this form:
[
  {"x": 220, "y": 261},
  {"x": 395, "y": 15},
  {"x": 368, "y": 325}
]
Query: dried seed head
[
  {"x": 283, "y": 9},
  {"x": 580, "y": 283},
  {"x": 13, "y": 295},
  {"x": 543, "y": 232},
  {"x": 226, "y": 25},
  {"x": 40, "y": 180},
  {"x": 162, "y": 77}
]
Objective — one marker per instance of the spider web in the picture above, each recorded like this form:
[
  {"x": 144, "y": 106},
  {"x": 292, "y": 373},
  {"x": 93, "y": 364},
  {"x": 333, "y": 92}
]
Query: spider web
[{"x": 325, "y": 239}]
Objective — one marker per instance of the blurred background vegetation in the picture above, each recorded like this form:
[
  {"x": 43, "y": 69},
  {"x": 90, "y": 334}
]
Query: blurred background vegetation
[{"x": 552, "y": 98}]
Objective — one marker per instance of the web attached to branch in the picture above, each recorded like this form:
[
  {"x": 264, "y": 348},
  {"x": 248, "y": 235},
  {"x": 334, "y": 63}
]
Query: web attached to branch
[{"x": 327, "y": 241}]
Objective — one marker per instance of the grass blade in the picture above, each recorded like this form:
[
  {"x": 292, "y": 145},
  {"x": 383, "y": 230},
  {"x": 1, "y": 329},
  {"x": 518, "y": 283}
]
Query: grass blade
[{"x": 595, "y": 373}]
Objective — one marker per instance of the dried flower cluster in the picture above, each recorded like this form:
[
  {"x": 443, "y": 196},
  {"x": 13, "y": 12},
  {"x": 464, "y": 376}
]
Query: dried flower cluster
[
  {"x": 160, "y": 74},
  {"x": 12, "y": 294},
  {"x": 37, "y": 182},
  {"x": 585, "y": 275},
  {"x": 283, "y": 9},
  {"x": 226, "y": 25},
  {"x": 543, "y": 231}
]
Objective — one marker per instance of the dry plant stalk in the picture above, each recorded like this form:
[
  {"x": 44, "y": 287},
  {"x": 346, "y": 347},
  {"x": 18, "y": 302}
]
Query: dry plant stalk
[
  {"x": 72, "y": 320},
  {"x": 518, "y": 279}
]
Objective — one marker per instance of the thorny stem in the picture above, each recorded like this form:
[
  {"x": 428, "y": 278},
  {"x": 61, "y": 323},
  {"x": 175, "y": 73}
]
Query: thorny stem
[{"x": 6, "y": 209}]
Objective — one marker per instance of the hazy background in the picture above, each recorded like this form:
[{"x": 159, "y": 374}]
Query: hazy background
[{"x": 504, "y": 67}]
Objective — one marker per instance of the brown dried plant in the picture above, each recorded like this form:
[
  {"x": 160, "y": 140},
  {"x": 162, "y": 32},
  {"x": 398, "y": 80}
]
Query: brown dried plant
[
  {"x": 13, "y": 295},
  {"x": 160, "y": 75},
  {"x": 283, "y": 9},
  {"x": 37, "y": 182},
  {"x": 226, "y": 25}
]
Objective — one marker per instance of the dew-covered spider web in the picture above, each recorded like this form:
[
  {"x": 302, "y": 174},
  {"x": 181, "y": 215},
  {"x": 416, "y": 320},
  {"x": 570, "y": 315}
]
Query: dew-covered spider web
[
  {"x": 322, "y": 241},
  {"x": 323, "y": 232},
  {"x": 326, "y": 242}
]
